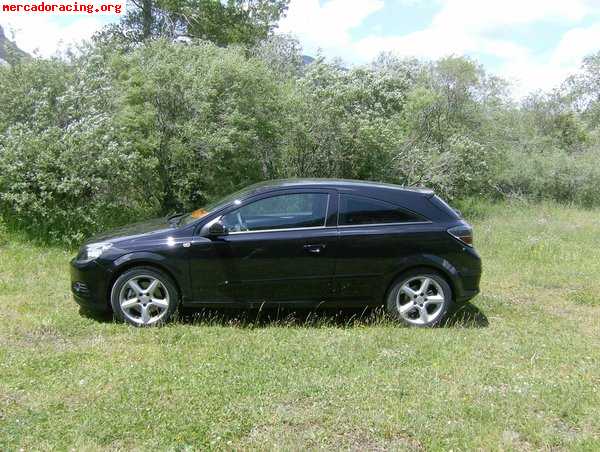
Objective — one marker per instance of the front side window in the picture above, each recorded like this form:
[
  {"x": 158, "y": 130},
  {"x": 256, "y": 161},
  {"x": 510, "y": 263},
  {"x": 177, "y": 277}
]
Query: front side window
[
  {"x": 357, "y": 210},
  {"x": 297, "y": 210}
]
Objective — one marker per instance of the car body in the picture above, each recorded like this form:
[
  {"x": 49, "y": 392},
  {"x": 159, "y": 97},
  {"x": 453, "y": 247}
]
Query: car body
[{"x": 306, "y": 243}]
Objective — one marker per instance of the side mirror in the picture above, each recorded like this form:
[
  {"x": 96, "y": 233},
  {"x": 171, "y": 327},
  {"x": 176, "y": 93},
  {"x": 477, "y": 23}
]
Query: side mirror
[{"x": 217, "y": 229}]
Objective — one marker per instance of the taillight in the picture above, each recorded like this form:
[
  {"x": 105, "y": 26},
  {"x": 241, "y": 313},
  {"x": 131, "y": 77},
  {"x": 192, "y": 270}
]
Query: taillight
[{"x": 463, "y": 233}]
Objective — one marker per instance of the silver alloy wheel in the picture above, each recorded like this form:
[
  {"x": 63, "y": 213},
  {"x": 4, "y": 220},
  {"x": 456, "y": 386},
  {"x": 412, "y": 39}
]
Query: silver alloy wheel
[
  {"x": 420, "y": 300},
  {"x": 144, "y": 299}
]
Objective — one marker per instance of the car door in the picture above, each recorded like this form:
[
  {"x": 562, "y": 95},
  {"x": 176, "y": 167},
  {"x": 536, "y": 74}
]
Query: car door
[
  {"x": 374, "y": 237},
  {"x": 279, "y": 248}
]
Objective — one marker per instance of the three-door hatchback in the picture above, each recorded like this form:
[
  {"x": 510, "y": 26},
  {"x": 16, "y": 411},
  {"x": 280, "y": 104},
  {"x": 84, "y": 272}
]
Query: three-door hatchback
[{"x": 301, "y": 243}]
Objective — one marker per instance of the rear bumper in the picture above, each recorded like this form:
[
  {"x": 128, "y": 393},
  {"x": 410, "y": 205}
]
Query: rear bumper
[
  {"x": 467, "y": 295},
  {"x": 469, "y": 287},
  {"x": 89, "y": 285}
]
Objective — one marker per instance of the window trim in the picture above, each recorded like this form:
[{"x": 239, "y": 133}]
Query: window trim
[
  {"x": 324, "y": 226},
  {"x": 369, "y": 225},
  {"x": 262, "y": 231},
  {"x": 424, "y": 221}
]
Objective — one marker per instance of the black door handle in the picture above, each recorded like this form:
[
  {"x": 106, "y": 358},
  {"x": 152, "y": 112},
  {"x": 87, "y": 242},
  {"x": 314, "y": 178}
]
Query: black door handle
[{"x": 314, "y": 248}]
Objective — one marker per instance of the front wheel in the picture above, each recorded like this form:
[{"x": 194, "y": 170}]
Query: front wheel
[
  {"x": 419, "y": 298},
  {"x": 144, "y": 296}
]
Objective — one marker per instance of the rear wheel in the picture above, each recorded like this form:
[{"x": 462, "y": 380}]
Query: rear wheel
[
  {"x": 419, "y": 298},
  {"x": 144, "y": 296}
]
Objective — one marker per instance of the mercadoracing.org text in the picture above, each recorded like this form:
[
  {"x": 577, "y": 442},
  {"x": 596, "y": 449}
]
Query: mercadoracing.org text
[{"x": 62, "y": 7}]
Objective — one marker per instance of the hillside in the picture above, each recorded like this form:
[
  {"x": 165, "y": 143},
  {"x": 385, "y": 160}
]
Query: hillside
[{"x": 9, "y": 52}]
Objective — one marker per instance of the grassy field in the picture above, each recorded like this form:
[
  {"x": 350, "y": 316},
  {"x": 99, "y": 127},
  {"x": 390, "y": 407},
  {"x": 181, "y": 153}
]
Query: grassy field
[{"x": 518, "y": 368}]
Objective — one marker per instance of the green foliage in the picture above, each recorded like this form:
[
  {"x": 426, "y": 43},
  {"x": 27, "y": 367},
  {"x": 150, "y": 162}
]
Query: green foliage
[
  {"x": 221, "y": 22},
  {"x": 64, "y": 185},
  {"x": 208, "y": 115},
  {"x": 3, "y": 233},
  {"x": 550, "y": 121},
  {"x": 583, "y": 90},
  {"x": 460, "y": 168},
  {"x": 346, "y": 124},
  {"x": 106, "y": 137},
  {"x": 553, "y": 174},
  {"x": 65, "y": 168}
]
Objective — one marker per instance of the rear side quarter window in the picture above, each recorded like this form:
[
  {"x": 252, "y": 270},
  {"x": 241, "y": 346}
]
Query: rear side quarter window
[
  {"x": 442, "y": 205},
  {"x": 360, "y": 210}
]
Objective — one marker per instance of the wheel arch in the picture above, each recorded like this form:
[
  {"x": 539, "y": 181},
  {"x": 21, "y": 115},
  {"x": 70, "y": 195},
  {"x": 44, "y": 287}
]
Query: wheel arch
[
  {"x": 430, "y": 263},
  {"x": 122, "y": 265}
]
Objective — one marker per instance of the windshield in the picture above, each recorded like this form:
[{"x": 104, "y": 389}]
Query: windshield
[{"x": 206, "y": 209}]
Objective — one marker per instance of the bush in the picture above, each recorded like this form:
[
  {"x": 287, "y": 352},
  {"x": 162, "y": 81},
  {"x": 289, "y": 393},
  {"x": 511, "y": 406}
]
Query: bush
[
  {"x": 64, "y": 185},
  {"x": 343, "y": 123},
  {"x": 65, "y": 169},
  {"x": 107, "y": 137},
  {"x": 554, "y": 174},
  {"x": 210, "y": 116},
  {"x": 462, "y": 168}
]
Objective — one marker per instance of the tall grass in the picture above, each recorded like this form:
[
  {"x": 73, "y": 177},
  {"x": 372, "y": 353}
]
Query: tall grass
[{"x": 516, "y": 369}]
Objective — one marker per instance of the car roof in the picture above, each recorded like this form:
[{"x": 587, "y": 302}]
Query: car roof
[
  {"x": 351, "y": 184},
  {"x": 409, "y": 198}
]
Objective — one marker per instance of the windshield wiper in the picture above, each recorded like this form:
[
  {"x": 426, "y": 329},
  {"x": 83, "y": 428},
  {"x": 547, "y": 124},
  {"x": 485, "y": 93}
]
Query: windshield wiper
[{"x": 174, "y": 219}]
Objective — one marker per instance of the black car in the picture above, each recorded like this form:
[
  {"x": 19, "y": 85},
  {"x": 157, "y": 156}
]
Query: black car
[{"x": 302, "y": 243}]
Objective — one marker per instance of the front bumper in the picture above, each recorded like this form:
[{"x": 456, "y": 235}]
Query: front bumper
[{"x": 89, "y": 285}]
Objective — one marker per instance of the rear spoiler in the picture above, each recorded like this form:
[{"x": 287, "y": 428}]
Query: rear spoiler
[{"x": 426, "y": 192}]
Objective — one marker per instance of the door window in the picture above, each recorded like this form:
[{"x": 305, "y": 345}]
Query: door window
[
  {"x": 357, "y": 210},
  {"x": 297, "y": 210}
]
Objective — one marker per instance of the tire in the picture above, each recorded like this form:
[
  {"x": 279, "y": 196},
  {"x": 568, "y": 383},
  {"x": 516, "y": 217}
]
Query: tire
[
  {"x": 416, "y": 304},
  {"x": 144, "y": 296}
]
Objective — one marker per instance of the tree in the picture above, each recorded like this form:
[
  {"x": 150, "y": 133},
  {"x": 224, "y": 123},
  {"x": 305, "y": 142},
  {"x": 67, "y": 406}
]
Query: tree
[
  {"x": 282, "y": 53},
  {"x": 550, "y": 117},
  {"x": 233, "y": 22},
  {"x": 583, "y": 90}
]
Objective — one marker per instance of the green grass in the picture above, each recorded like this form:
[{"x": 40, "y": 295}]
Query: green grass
[{"x": 517, "y": 369}]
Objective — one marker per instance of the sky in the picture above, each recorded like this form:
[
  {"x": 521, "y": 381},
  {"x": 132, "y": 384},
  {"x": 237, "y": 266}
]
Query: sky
[{"x": 534, "y": 44}]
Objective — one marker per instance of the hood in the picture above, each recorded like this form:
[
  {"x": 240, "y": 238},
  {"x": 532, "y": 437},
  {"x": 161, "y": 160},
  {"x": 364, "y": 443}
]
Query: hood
[{"x": 132, "y": 231}]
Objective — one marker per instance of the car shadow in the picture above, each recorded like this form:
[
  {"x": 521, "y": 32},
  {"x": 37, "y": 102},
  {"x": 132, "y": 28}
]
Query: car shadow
[
  {"x": 466, "y": 315},
  {"x": 98, "y": 316},
  {"x": 282, "y": 316}
]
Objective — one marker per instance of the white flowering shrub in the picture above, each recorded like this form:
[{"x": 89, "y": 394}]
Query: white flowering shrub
[
  {"x": 66, "y": 170},
  {"x": 112, "y": 136}
]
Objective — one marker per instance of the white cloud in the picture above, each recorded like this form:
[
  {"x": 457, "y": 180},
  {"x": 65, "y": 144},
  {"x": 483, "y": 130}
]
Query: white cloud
[
  {"x": 546, "y": 73},
  {"x": 459, "y": 27},
  {"x": 437, "y": 41},
  {"x": 463, "y": 26},
  {"x": 525, "y": 69},
  {"x": 479, "y": 15},
  {"x": 576, "y": 44},
  {"x": 529, "y": 75},
  {"x": 327, "y": 25}
]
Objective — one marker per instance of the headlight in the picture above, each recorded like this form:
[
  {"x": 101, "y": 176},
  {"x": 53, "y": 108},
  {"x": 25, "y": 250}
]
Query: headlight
[{"x": 92, "y": 251}]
